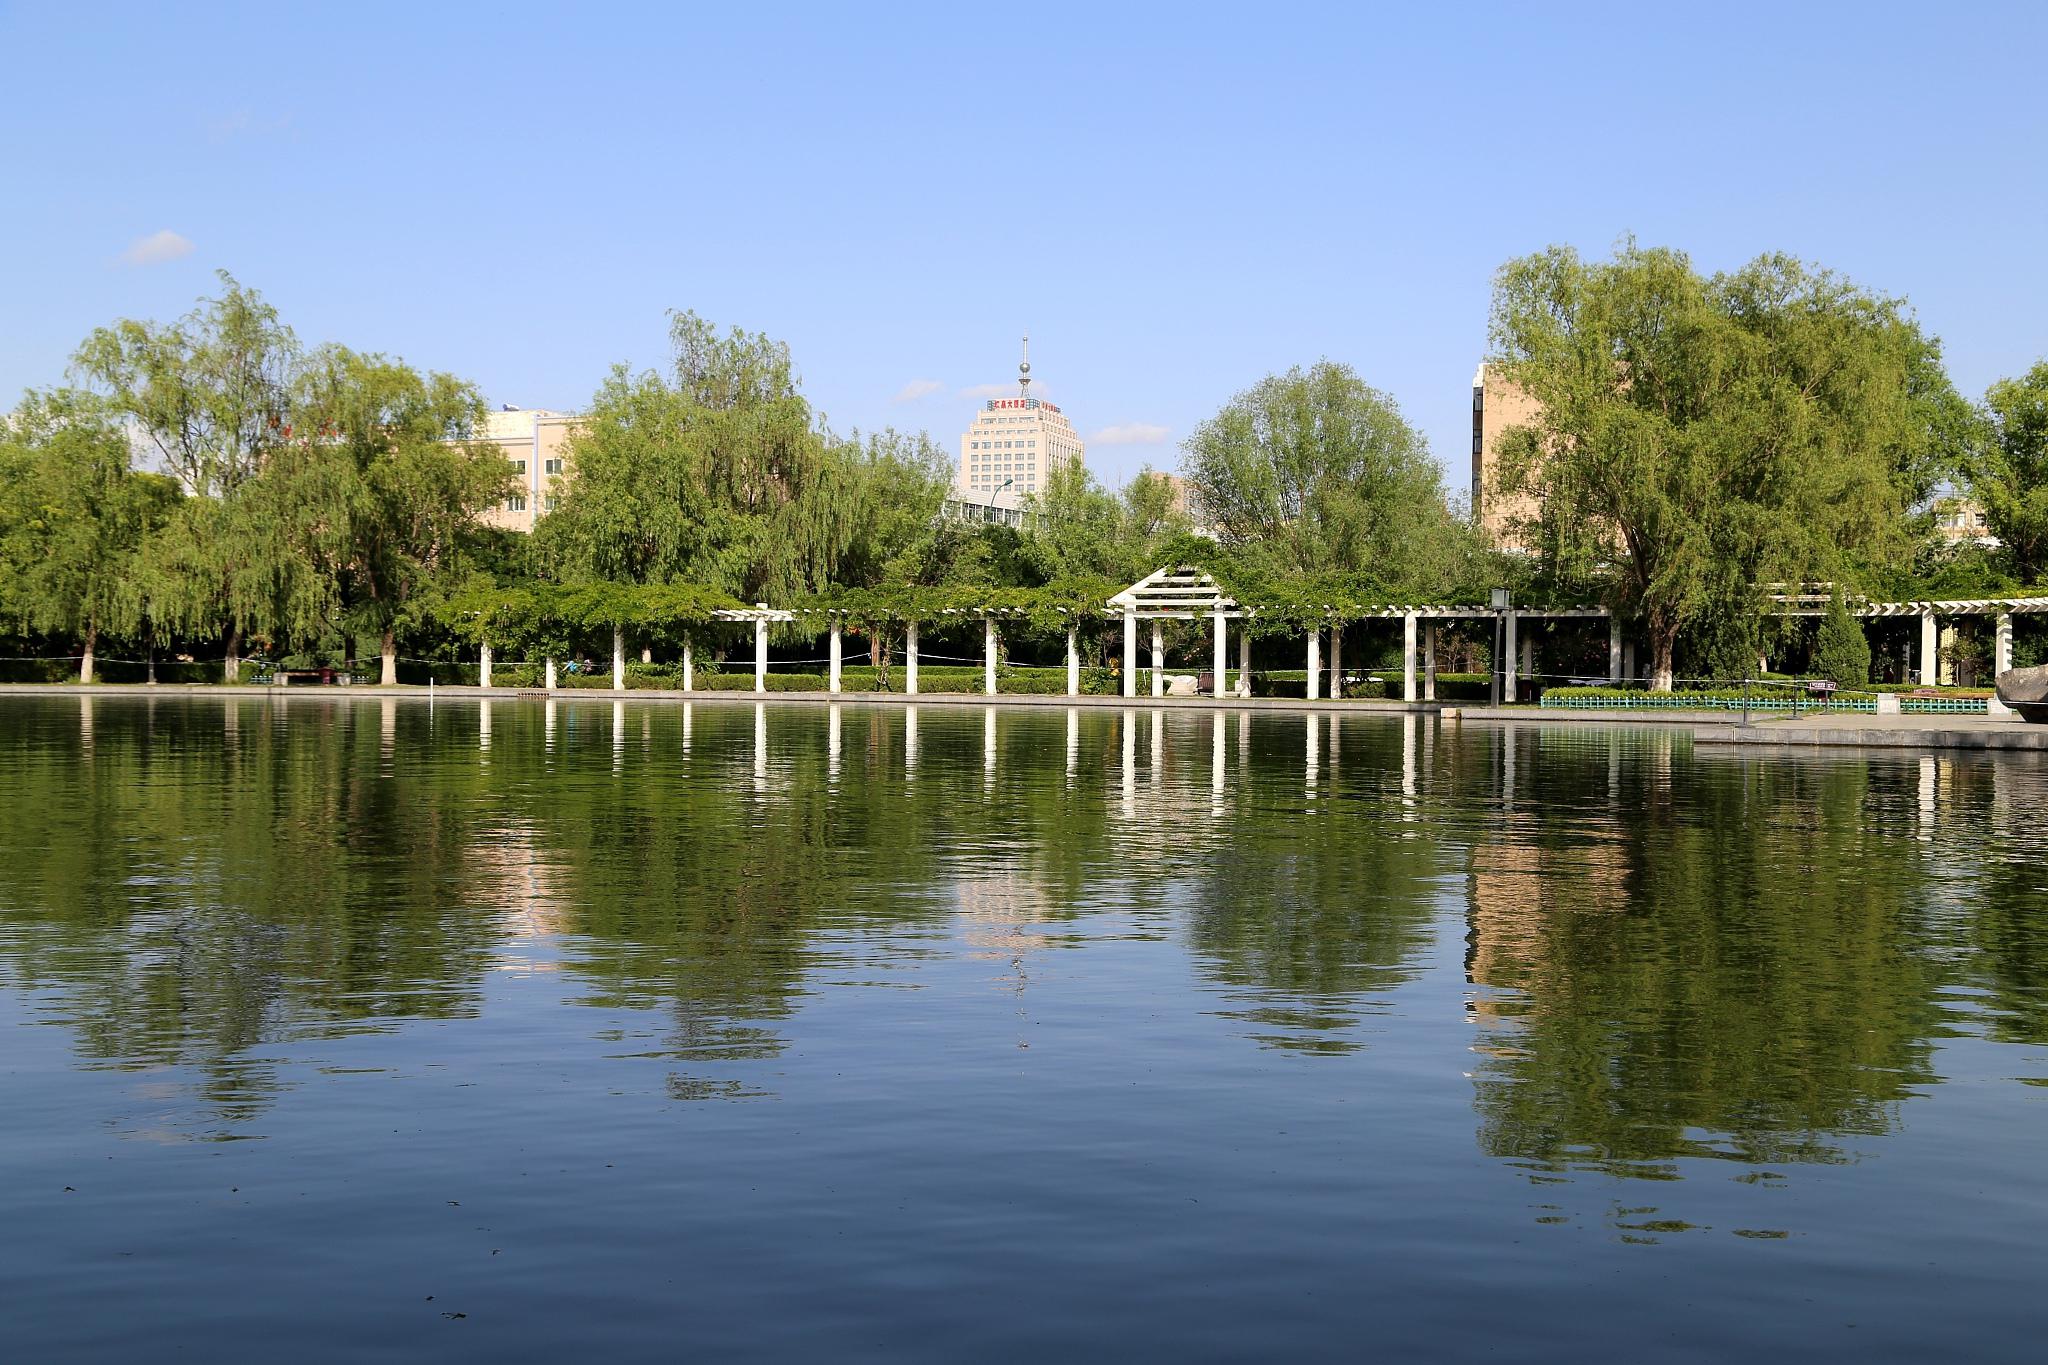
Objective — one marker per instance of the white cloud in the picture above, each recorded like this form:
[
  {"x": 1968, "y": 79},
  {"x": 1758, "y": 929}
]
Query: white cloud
[
  {"x": 157, "y": 248},
  {"x": 916, "y": 389},
  {"x": 1131, "y": 434}
]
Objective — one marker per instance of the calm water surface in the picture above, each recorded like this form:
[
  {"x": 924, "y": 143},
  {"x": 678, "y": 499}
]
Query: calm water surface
[{"x": 347, "y": 1029}]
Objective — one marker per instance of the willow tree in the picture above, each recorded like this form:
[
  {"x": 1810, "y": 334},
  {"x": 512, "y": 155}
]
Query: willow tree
[
  {"x": 1319, "y": 473},
  {"x": 382, "y": 459},
  {"x": 74, "y": 522},
  {"x": 1706, "y": 435},
  {"x": 691, "y": 475},
  {"x": 209, "y": 395},
  {"x": 209, "y": 392},
  {"x": 2011, "y": 477}
]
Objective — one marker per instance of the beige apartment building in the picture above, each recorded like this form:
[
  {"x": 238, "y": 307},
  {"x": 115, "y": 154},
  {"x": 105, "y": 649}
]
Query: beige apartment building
[
  {"x": 1496, "y": 406},
  {"x": 535, "y": 441},
  {"x": 1014, "y": 444}
]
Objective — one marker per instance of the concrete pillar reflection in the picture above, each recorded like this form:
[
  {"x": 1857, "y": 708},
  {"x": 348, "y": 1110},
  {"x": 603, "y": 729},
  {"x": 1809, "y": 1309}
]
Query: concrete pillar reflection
[{"x": 1408, "y": 688}]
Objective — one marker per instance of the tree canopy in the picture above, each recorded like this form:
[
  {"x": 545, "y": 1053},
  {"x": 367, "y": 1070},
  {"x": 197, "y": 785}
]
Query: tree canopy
[
  {"x": 2011, "y": 474},
  {"x": 1707, "y": 435}
]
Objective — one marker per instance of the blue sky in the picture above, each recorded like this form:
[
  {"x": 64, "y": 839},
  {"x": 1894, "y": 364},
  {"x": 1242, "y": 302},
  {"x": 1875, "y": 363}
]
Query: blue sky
[{"x": 1174, "y": 200}]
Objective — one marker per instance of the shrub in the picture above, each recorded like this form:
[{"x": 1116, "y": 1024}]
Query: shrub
[{"x": 1841, "y": 650}]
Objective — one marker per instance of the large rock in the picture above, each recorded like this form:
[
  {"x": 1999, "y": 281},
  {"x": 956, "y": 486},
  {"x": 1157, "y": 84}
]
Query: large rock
[{"x": 2025, "y": 690}]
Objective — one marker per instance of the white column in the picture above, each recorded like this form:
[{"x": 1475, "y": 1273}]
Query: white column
[
  {"x": 1244, "y": 661},
  {"x": 1945, "y": 673},
  {"x": 833, "y": 684},
  {"x": 761, "y": 654},
  {"x": 1528, "y": 656},
  {"x": 1408, "y": 657},
  {"x": 483, "y": 724},
  {"x": 988, "y": 655},
  {"x": 832, "y": 726},
  {"x": 1614, "y": 649},
  {"x": 618, "y": 660},
  {"x": 550, "y": 683},
  {"x": 1130, "y": 652},
  {"x": 1429, "y": 663},
  {"x": 1073, "y": 661},
  {"x": 1507, "y": 663},
  {"x": 1222, "y": 685},
  {"x": 1158, "y": 661},
  {"x": 1337, "y": 661},
  {"x": 689, "y": 667},
  {"x": 1928, "y": 664},
  {"x": 910, "y": 658},
  {"x": 2001, "y": 646},
  {"x": 1315, "y": 663},
  {"x": 483, "y": 668}
]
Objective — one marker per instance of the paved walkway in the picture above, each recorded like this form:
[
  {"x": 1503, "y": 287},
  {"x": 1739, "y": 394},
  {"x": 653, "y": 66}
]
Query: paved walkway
[{"x": 1860, "y": 731}]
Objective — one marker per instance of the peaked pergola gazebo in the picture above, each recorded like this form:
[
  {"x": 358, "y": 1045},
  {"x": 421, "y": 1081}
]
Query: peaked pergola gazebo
[{"x": 1180, "y": 594}]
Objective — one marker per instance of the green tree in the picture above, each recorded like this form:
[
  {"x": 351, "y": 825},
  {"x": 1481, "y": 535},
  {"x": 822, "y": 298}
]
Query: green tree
[
  {"x": 381, "y": 454},
  {"x": 1841, "y": 650},
  {"x": 210, "y": 391},
  {"x": 1706, "y": 435},
  {"x": 2011, "y": 476},
  {"x": 715, "y": 474},
  {"x": 73, "y": 528},
  {"x": 1318, "y": 472}
]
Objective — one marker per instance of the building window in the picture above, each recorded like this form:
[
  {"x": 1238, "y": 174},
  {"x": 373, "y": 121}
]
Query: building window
[
  {"x": 519, "y": 466},
  {"x": 515, "y": 503},
  {"x": 552, "y": 502},
  {"x": 554, "y": 466}
]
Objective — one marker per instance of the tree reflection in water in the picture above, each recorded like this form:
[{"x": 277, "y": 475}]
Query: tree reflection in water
[{"x": 1669, "y": 955}]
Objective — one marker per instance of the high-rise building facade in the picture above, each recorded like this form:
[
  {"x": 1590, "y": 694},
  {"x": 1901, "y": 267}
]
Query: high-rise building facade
[
  {"x": 1496, "y": 406},
  {"x": 1014, "y": 444}
]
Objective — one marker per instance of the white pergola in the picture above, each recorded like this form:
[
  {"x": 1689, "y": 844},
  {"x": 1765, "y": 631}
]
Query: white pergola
[
  {"x": 1808, "y": 602},
  {"x": 761, "y": 615},
  {"x": 1181, "y": 594},
  {"x": 1186, "y": 594}
]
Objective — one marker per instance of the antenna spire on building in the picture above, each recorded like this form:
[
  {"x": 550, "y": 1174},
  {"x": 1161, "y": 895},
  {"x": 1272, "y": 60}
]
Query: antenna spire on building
[{"x": 1024, "y": 369}]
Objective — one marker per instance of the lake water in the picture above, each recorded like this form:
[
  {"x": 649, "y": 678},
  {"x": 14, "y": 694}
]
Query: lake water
[{"x": 345, "y": 1029}]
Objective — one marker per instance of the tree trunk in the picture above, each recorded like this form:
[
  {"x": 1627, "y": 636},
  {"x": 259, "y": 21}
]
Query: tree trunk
[
  {"x": 231, "y": 666},
  {"x": 92, "y": 638},
  {"x": 1663, "y": 640},
  {"x": 388, "y": 647}
]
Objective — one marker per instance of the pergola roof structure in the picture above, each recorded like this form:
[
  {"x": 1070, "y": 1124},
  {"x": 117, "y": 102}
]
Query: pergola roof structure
[
  {"x": 1816, "y": 604},
  {"x": 1181, "y": 594}
]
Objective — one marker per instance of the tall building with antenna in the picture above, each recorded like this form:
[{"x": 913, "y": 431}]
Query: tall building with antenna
[{"x": 1014, "y": 444}]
